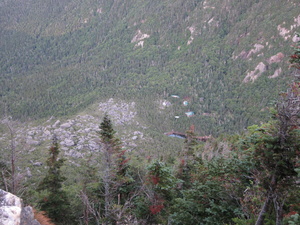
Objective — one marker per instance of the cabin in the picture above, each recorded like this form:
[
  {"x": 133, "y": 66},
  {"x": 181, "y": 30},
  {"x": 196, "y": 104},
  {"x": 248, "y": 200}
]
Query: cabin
[
  {"x": 189, "y": 114},
  {"x": 184, "y": 136}
]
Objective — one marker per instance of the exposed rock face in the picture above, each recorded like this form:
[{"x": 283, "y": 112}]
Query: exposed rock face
[
  {"x": 276, "y": 73},
  {"x": 257, "y": 48},
  {"x": 286, "y": 32},
  {"x": 77, "y": 135},
  {"x": 192, "y": 30},
  {"x": 27, "y": 216},
  {"x": 253, "y": 75},
  {"x": 276, "y": 58},
  {"x": 12, "y": 211},
  {"x": 139, "y": 37}
]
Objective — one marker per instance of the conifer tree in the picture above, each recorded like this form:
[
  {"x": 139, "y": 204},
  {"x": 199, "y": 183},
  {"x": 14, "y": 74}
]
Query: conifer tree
[
  {"x": 295, "y": 58},
  {"x": 115, "y": 166},
  {"x": 276, "y": 148},
  {"x": 188, "y": 158},
  {"x": 55, "y": 202}
]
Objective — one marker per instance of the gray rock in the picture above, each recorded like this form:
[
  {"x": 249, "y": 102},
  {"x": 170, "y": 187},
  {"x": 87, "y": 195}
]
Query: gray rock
[
  {"x": 76, "y": 154},
  {"x": 12, "y": 211},
  {"x": 66, "y": 125},
  {"x": 87, "y": 130},
  {"x": 28, "y": 172},
  {"x": 58, "y": 131},
  {"x": 69, "y": 142},
  {"x": 56, "y": 123},
  {"x": 32, "y": 142},
  {"x": 31, "y": 133},
  {"x": 47, "y": 132},
  {"x": 79, "y": 147},
  {"x": 27, "y": 216},
  {"x": 37, "y": 164},
  {"x": 64, "y": 148}
]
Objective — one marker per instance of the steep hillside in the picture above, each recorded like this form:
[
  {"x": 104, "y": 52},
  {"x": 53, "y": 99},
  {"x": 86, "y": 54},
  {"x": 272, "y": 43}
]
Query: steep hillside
[{"x": 227, "y": 59}]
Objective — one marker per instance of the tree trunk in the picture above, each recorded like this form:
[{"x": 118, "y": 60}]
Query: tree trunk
[
  {"x": 278, "y": 210},
  {"x": 107, "y": 181},
  {"x": 263, "y": 211}
]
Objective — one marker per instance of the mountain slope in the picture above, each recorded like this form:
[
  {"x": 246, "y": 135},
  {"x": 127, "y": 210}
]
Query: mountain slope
[{"x": 227, "y": 58}]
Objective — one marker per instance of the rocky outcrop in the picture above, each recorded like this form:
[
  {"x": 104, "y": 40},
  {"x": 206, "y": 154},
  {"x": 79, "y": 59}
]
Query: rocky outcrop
[
  {"x": 78, "y": 134},
  {"x": 276, "y": 58},
  {"x": 261, "y": 68},
  {"x": 27, "y": 216},
  {"x": 253, "y": 75},
  {"x": 139, "y": 38},
  {"x": 276, "y": 73},
  {"x": 12, "y": 211},
  {"x": 286, "y": 33}
]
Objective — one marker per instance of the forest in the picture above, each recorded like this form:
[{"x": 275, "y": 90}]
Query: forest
[
  {"x": 249, "y": 178},
  {"x": 230, "y": 69},
  {"x": 58, "y": 60}
]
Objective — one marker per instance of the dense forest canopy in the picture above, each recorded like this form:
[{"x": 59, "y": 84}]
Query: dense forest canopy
[{"x": 228, "y": 58}]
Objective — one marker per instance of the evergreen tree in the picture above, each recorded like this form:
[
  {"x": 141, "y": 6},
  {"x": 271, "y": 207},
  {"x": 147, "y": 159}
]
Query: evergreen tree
[
  {"x": 295, "y": 58},
  {"x": 160, "y": 191},
  {"x": 55, "y": 202},
  {"x": 115, "y": 178},
  {"x": 107, "y": 133},
  {"x": 188, "y": 159},
  {"x": 276, "y": 149}
]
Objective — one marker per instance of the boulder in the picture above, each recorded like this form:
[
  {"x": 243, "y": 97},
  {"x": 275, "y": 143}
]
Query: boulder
[
  {"x": 56, "y": 124},
  {"x": 69, "y": 142},
  {"x": 27, "y": 216},
  {"x": 12, "y": 211},
  {"x": 66, "y": 125}
]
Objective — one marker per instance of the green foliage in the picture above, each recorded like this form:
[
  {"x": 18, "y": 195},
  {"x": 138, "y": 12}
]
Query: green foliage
[
  {"x": 271, "y": 158},
  {"x": 55, "y": 201},
  {"x": 295, "y": 58},
  {"x": 238, "y": 221},
  {"x": 212, "y": 198},
  {"x": 58, "y": 60},
  {"x": 5, "y": 175},
  {"x": 161, "y": 176},
  {"x": 275, "y": 154},
  {"x": 107, "y": 132},
  {"x": 53, "y": 180},
  {"x": 141, "y": 209},
  {"x": 158, "y": 194},
  {"x": 292, "y": 220},
  {"x": 58, "y": 57},
  {"x": 118, "y": 184}
]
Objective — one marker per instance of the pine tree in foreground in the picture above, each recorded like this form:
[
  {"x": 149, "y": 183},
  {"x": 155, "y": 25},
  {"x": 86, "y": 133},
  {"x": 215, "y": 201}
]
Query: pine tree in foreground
[
  {"x": 114, "y": 179},
  {"x": 54, "y": 202}
]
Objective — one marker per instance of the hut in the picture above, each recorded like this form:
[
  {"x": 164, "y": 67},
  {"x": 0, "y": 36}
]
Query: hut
[{"x": 189, "y": 114}]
